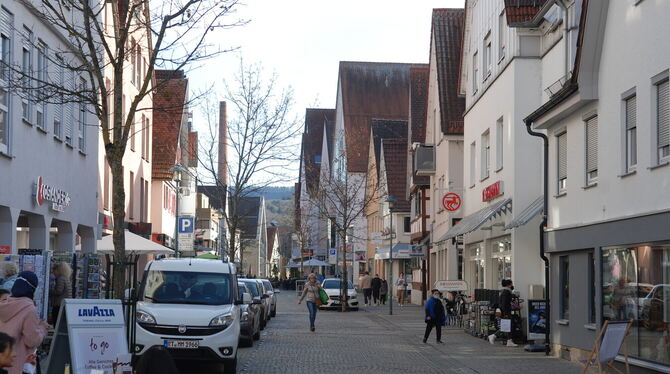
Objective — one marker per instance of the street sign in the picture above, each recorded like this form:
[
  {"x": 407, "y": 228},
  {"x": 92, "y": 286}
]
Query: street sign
[
  {"x": 417, "y": 251},
  {"x": 185, "y": 243},
  {"x": 332, "y": 252},
  {"x": 451, "y": 285},
  {"x": 186, "y": 225},
  {"x": 451, "y": 202}
]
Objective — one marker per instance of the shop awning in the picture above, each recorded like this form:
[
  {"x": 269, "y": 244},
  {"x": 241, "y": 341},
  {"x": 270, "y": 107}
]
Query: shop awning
[
  {"x": 135, "y": 244},
  {"x": 477, "y": 219},
  {"x": 401, "y": 251},
  {"x": 309, "y": 263},
  {"x": 527, "y": 214}
]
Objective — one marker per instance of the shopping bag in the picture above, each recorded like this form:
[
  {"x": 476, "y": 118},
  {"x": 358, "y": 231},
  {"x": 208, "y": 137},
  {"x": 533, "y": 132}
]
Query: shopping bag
[{"x": 323, "y": 296}]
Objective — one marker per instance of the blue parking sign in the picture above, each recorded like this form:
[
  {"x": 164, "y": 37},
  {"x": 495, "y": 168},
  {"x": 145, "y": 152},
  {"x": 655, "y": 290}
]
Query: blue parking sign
[{"x": 186, "y": 225}]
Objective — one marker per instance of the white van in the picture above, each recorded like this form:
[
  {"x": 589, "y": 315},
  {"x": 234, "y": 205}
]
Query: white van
[{"x": 191, "y": 307}]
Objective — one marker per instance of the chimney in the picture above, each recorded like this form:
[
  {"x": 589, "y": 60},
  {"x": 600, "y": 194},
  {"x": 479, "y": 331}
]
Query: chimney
[{"x": 223, "y": 144}]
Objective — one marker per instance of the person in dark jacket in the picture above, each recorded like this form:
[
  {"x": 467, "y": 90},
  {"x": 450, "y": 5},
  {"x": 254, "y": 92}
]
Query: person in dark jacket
[
  {"x": 505, "y": 306},
  {"x": 383, "y": 290},
  {"x": 376, "y": 286},
  {"x": 434, "y": 316}
]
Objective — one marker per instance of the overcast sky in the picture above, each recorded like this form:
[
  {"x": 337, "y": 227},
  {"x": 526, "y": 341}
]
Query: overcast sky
[{"x": 304, "y": 40}]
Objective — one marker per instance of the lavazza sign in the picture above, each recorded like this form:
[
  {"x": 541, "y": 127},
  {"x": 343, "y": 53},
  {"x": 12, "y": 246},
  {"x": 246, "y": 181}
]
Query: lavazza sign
[{"x": 43, "y": 192}]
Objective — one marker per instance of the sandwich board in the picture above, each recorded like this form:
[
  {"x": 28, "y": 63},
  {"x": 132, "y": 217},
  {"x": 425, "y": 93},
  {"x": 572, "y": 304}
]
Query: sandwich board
[
  {"x": 606, "y": 347},
  {"x": 90, "y": 335}
]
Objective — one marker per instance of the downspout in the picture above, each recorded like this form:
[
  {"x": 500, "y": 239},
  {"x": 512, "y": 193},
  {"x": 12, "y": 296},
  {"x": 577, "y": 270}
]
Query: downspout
[
  {"x": 543, "y": 224},
  {"x": 566, "y": 43}
]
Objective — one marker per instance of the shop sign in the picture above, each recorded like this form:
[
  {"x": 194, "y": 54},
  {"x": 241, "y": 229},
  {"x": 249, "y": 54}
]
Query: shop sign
[
  {"x": 106, "y": 221},
  {"x": 142, "y": 229},
  {"x": 451, "y": 285},
  {"x": 361, "y": 256},
  {"x": 451, "y": 202},
  {"x": 417, "y": 251},
  {"x": 43, "y": 192},
  {"x": 493, "y": 191},
  {"x": 537, "y": 319},
  {"x": 5, "y": 249}
]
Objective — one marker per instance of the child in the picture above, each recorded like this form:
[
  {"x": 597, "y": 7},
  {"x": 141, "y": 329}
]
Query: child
[
  {"x": 6, "y": 352},
  {"x": 4, "y": 294}
]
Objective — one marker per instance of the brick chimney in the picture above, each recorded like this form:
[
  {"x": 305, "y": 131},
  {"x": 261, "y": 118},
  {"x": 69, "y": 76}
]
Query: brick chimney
[{"x": 223, "y": 144}]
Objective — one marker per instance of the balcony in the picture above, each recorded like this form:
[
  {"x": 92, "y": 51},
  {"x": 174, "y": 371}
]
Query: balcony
[
  {"x": 418, "y": 229},
  {"x": 424, "y": 160}
]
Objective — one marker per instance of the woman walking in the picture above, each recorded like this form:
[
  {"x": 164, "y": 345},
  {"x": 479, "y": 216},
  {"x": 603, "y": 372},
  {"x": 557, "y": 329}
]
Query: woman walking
[
  {"x": 383, "y": 290},
  {"x": 311, "y": 292},
  {"x": 18, "y": 319}
]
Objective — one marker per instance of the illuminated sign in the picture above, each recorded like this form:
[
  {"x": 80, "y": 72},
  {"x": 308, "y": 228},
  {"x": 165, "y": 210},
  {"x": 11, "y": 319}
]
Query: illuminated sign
[{"x": 59, "y": 199}]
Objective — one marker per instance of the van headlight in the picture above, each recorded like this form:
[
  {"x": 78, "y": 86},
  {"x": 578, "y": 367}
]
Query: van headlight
[
  {"x": 144, "y": 317},
  {"x": 244, "y": 317},
  {"x": 223, "y": 320}
]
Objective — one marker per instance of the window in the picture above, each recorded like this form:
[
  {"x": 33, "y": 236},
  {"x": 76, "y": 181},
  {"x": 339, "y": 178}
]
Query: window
[
  {"x": 333, "y": 233},
  {"x": 142, "y": 199},
  {"x": 591, "y": 150},
  {"x": 145, "y": 215},
  {"x": 42, "y": 76},
  {"x": 500, "y": 138},
  {"x": 5, "y": 58},
  {"x": 564, "y": 284},
  {"x": 133, "y": 67},
  {"x": 472, "y": 164},
  {"x": 631, "y": 133},
  {"x": 502, "y": 22},
  {"x": 501, "y": 255},
  {"x": 476, "y": 262},
  {"x": 146, "y": 136},
  {"x": 407, "y": 227},
  {"x": 131, "y": 196},
  {"x": 106, "y": 181},
  {"x": 138, "y": 65},
  {"x": 82, "y": 118},
  {"x": 475, "y": 71},
  {"x": 486, "y": 155},
  {"x": 663, "y": 120},
  {"x": 592, "y": 288},
  {"x": 562, "y": 161},
  {"x": 317, "y": 159},
  {"x": 441, "y": 190},
  {"x": 486, "y": 65},
  {"x": 132, "y": 138},
  {"x": 69, "y": 110},
  {"x": 26, "y": 75}
]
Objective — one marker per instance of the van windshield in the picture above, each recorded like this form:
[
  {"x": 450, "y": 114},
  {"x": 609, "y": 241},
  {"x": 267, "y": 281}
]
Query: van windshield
[{"x": 180, "y": 287}]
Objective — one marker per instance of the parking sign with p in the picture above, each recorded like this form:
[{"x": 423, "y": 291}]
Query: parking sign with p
[{"x": 186, "y": 225}]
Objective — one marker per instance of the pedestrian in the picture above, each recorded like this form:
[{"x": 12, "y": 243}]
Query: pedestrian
[
  {"x": 401, "y": 286},
  {"x": 11, "y": 271},
  {"x": 62, "y": 288},
  {"x": 365, "y": 283},
  {"x": 434, "y": 316},
  {"x": 7, "y": 354},
  {"x": 505, "y": 306},
  {"x": 310, "y": 291},
  {"x": 18, "y": 319},
  {"x": 384, "y": 290},
  {"x": 376, "y": 286},
  {"x": 156, "y": 360}
]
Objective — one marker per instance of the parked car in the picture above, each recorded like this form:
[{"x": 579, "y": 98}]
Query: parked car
[
  {"x": 250, "y": 318},
  {"x": 273, "y": 297},
  {"x": 654, "y": 307},
  {"x": 635, "y": 294},
  {"x": 265, "y": 298},
  {"x": 191, "y": 307},
  {"x": 332, "y": 288},
  {"x": 257, "y": 294}
]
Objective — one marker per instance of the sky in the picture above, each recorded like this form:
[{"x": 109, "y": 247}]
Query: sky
[{"x": 303, "y": 41}]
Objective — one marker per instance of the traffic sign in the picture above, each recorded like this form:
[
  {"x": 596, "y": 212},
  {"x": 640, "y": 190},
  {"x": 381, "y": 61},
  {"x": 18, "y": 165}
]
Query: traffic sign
[{"x": 186, "y": 225}]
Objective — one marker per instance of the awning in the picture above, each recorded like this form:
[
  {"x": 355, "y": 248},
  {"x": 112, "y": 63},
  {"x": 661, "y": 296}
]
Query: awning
[
  {"x": 310, "y": 263},
  {"x": 524, "y": 217},
  {"x": 401, "y": 251},
  {"x": 477, "y": 219},
  {"x": 135, "y": 244}
]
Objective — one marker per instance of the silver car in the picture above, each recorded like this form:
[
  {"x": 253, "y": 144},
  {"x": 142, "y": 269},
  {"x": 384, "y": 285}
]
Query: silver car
[{"x": 270, "y": 291}]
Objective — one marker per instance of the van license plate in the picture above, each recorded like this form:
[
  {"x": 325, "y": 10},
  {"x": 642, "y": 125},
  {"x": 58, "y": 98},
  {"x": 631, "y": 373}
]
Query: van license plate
[{"x": 182, "y": 344}]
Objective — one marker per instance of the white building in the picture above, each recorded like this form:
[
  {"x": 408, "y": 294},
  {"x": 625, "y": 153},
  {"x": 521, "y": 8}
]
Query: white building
[
  {"x": 48, "y": 155},
  {"x": 608, "y": 132}
]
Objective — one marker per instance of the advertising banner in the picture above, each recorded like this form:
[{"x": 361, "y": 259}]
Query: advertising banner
[{"x": 537, "y": 319}]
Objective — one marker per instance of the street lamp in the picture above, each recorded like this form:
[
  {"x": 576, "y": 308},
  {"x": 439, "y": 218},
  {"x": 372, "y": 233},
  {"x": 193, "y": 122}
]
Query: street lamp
[
  {"x": 390, "y": 200},
  {"x": 176, "y": 171}
]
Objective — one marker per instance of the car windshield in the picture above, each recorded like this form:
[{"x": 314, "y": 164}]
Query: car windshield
[
  {"x": 267, "y": 284},
  {"x": 253, "y": 286},
  {"x": 241, "y": 289},
  {"x": 335, "y": 283},
  {"x": 181, "y": 287}
]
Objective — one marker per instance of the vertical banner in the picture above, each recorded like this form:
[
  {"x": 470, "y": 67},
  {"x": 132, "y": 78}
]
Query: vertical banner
[{"x": 537, "y": 319}]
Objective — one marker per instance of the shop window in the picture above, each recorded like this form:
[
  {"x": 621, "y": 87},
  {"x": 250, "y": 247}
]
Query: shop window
[
  {"x": 636, "y": 285},
  {"x": 564, "y": 284},
  {"x": 592, "y": 288},
  {"x": 501, "y": 254},
  {"x": 476, "y": 261}
]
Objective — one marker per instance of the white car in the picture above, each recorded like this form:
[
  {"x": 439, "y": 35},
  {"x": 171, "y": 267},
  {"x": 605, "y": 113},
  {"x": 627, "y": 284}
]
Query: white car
[
  {"x": 192, "y": 308},
  {"x": 332, "y": 288}
]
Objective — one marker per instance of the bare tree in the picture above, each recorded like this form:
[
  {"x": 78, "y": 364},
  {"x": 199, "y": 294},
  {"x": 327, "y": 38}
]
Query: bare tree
[
  {"x": 100, "y": 43},
  {"x": 262, "y": 133}
]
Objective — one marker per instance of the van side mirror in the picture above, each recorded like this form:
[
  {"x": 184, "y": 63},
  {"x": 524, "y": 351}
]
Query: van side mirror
[{"x": 246, "y": 298}]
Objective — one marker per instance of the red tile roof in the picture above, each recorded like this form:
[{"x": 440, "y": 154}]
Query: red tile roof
[
  {"x": 521, "y": 11},
  {"x": 418, "y": 108},
  {"x": 386, "y": 129},
  {"x": 312, "y": 141},
  {"x": 168, "y": 111},
  {"x": 272, "y": 232},
  {"x": 193, "y": 149},
  {"x": 395, "y": 160},
  {"x": 447, "y": 30},
  {"x": 371, "y": 90}
]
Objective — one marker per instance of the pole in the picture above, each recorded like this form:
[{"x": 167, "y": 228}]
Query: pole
[
  {"x": 391, "y": 263},
  {"x": 176, "y": 222}
]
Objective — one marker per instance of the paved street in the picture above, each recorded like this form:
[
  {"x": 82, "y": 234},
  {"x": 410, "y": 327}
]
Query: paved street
[{"x": 370, "y": 341}]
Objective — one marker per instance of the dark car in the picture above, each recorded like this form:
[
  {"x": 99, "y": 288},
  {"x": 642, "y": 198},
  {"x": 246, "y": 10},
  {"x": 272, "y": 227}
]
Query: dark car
[
  {"x": 270, "y": 291},
  {"x": 258, "y": 293},
  {"x": 250, "y": 318}
]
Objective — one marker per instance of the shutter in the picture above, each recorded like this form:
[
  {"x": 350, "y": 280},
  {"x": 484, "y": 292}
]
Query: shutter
[
  {"x": 562, "y": 156},
  {"x": 58, "y": 106},
  {"x": 663, "y": 114},
  {"x": 631, "y": 112},
  {"x": 6, "y": 22},
  {"x": 69, "y": 110},
  {"x": 592, "y": 144}
]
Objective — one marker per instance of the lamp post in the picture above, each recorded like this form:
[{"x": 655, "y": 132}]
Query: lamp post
[
  {"x": 391, "y": 201},
  {"x": 176, "y": 171}
]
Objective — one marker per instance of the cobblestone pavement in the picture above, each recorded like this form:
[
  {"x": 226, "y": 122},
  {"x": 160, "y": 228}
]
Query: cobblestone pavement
[{"x": 371, "y": 341}]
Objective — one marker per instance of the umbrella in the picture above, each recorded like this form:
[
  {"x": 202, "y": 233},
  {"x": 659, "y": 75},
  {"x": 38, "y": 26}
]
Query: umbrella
[
  {"x": 208, "y": 256},
  {"x": 312, "y": 262},
  {"x": 135, "y": 244}
]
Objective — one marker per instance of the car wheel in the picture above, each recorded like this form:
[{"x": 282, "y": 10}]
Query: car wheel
[
  {"x": 257, "y": 335},
  {"x": 263, "y": 323},
  {"x": 230, "y": 366},
  {"x": 246, "y": 342}
]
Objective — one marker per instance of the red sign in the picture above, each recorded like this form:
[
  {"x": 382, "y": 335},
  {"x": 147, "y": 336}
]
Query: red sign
[
  {"x": 492, "y": 191},
  {"x": 451, "y": 202},
  {"x": 5, "y": 249}
]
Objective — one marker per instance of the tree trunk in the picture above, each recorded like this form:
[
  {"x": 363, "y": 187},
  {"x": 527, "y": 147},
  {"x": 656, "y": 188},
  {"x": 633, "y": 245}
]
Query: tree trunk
[
  {"x": 119, "y": 213},
  {"x": 344, "y": 294}
]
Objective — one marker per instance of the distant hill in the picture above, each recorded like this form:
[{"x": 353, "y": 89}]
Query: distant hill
[{"x": 276, "y": 193}]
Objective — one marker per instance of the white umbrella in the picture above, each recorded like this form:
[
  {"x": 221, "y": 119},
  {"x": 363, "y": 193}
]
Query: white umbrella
[{"x": 135, "y": 244}]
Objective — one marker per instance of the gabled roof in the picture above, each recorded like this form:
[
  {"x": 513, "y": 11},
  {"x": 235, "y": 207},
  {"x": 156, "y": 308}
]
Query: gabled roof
[
  {"x": 315, "y": 121},
  {"x": 386, "y": 129},
  {"x": 248, "y": 210},
  {"x": 447, "y": 30},
  {"x": 395, "y": 160},
  {"x": 522, "y": 11},
  {"x": 370, "y": 90},
  {"x": 214, "y": 193},
  {"x": 169, "y": 102},
  {"x": 272, "y": 232}
]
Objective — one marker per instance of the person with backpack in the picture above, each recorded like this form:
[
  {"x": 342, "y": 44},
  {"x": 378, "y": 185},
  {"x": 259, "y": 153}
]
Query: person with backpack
[{"x": 435, "y": 316}]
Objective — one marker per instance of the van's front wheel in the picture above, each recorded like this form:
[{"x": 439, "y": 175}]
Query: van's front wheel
[{"x": 230, "y": 366}]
